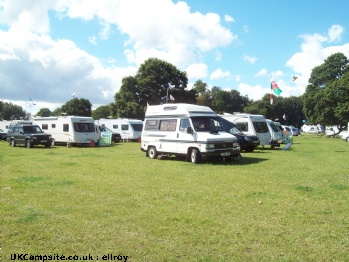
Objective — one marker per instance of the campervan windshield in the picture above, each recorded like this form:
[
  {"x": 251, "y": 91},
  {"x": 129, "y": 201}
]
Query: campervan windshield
[{"x": 206, "y": 124}]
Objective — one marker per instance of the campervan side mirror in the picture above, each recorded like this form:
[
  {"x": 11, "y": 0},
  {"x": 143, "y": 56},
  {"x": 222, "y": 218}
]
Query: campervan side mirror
[{"x": 189, "y": 130}]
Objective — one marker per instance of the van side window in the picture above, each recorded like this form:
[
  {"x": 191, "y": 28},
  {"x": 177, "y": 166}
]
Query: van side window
[
  {"x": 183, "y": 125},
  {"x": 242, "y": 126},
  {"x": 168, "y": 125},
  {"x": 151, "y": 125}
]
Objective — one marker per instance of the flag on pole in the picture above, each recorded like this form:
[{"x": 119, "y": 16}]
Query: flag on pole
[
  {"x": 271, "y": 99},
  {"x": 275, "y": 88},
  {"x": 284, "y": 117},
  {"x": 171, "y": 97},
  {"x": 73, "y": 94},
  {"x": 295, "y": 78}
]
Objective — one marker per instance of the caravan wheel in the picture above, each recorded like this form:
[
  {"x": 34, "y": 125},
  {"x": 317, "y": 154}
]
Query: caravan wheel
[{"x": 152, "y": 153}]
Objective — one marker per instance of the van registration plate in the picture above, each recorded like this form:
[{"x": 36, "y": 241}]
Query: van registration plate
[{"x": 225, "y": 154}]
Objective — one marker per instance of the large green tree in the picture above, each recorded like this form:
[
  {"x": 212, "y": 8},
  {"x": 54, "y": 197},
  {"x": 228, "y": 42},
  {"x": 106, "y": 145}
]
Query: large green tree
[
  {"x": 102, "y": 112},
  {"x": 75, "y": 106},
  {"x": 9, "y": 111},
  {"x": 155, "y": 82},
  {"x": 326, "y": 99},
  {"x": 44, "y": 112}
]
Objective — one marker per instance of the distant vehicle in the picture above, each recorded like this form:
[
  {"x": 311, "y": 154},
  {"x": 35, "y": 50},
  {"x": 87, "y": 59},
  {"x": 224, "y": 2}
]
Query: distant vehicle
[
  {"x": 2, "y": 135},
  {"x": 191, "y": 131},
  {"x": 28, "y": 135},
  {"x": 287, "y": 134},
  {"x": 115, "y": 137},
  {"x": 247, "y": 143},
  {"x": 345, "y": 136},
  {"x": 295, "y": 131},
  {"x": 276, "y": 134},
  {"x": 74, "y": 130},
  {"x": 249, "y": 124},
  {"x": 129, "y": 129}
]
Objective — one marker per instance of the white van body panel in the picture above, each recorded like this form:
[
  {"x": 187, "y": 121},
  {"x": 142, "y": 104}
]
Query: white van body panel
[
  {"x": 69, "y": 129},
  {"x": 251, "y": 125},
  {"x": 174, "y": 129},
  {"x": 130, "y": 129}
]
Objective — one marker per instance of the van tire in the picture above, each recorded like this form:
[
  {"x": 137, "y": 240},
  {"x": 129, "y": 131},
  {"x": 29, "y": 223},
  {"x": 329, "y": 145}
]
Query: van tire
[
  {"x": 152, "y": 153},
  {"x": 195, "y": 156}
]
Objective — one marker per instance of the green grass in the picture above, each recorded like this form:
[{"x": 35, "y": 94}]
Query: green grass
[{"x": 272, "y": 205}]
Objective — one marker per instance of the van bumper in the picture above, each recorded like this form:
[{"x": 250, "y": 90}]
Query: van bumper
[{"x": 223, "y": 153}]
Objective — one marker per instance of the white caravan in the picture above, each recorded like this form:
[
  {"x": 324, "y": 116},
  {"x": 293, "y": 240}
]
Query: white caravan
[
  {"x": 4, "y": 124},
  {"x": 275, "y": 132},
  {"x": 186, "y": 130},
  {"x": 251, "y": 125},
  {"x": 129, "y": 129},
  {"x": 74, "y": 130}
]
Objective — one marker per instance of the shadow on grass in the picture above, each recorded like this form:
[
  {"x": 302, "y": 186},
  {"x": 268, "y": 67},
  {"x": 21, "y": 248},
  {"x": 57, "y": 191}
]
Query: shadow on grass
[{"x": 227, "y": 161}]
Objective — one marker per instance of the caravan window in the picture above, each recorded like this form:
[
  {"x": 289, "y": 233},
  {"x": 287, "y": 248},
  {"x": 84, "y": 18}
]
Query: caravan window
[
  {"x": 261, "y": 127},
  {"x": 84, "y": 127},
  {"x": 137, "y": 127},
  {"x": 65, "y": 127},
  {"x": 115, "y": 126},
  {"x": 124, "y": 127},
  {"x": 168, "y": 125},
  {"x": 44, "y": 126}
]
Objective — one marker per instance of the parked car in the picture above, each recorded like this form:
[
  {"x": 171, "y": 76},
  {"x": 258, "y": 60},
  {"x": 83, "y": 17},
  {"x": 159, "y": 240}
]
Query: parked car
[
  {"x": 2, "y": 135},
  {"x": 28, "y": 135},
  {"x": 247, "y": 142},
  {"x": 345, "y": 135},
  {"x": 295, "y": 131}
]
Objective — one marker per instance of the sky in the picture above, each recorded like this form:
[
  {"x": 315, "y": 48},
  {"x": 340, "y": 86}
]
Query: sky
[{"x": 53, "y": 51}]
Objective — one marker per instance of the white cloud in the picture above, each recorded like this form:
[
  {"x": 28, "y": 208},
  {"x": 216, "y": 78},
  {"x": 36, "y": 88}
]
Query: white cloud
[
  {"x": 93, "y": 40},
  {"x": 228, "y": 18},
  {"x": 313, "y": 53},
  {"x": 335, "y": 32},
  {"x": 262, "y": 72},
  {"x": 250, "y": 59},
  {"x": 197, "y": 71},
  {"x": 253, "y": 92},
  {"x": 219, "y": 74},
  {"x": 51, "y": 69}
]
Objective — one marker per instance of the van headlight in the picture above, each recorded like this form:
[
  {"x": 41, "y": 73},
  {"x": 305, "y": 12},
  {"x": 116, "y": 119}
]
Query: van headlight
[{"x": 210, "y": 146}]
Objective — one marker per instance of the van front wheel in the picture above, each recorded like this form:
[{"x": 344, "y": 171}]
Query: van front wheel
[
  {"x": 152, "y": 153},
  {"x": 195, "y": 156}
]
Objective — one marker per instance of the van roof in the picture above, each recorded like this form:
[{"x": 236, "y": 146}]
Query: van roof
[{"x": 178, "y": 110}]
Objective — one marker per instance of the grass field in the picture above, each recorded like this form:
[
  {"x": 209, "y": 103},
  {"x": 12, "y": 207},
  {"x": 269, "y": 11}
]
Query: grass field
[{"x": 272, "y": 205}]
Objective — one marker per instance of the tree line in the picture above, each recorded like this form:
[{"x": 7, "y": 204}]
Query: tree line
[{"x": 325, "y": 101}]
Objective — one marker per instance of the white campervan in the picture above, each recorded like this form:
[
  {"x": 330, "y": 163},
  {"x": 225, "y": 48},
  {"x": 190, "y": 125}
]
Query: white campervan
[
  {"x": 251, "y": 125},
  {"x": 275, "y": 132},
  {"x": 69, "y": 129},
  {"x": 129, "y": 129},
  {"x": 187, "y": 130}
]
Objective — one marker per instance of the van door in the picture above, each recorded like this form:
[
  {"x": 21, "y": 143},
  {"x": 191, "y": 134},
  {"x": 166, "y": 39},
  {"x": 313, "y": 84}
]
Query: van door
[
  {"x": 168, "y": 131},
  {"x": 184, "y": 140}
]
